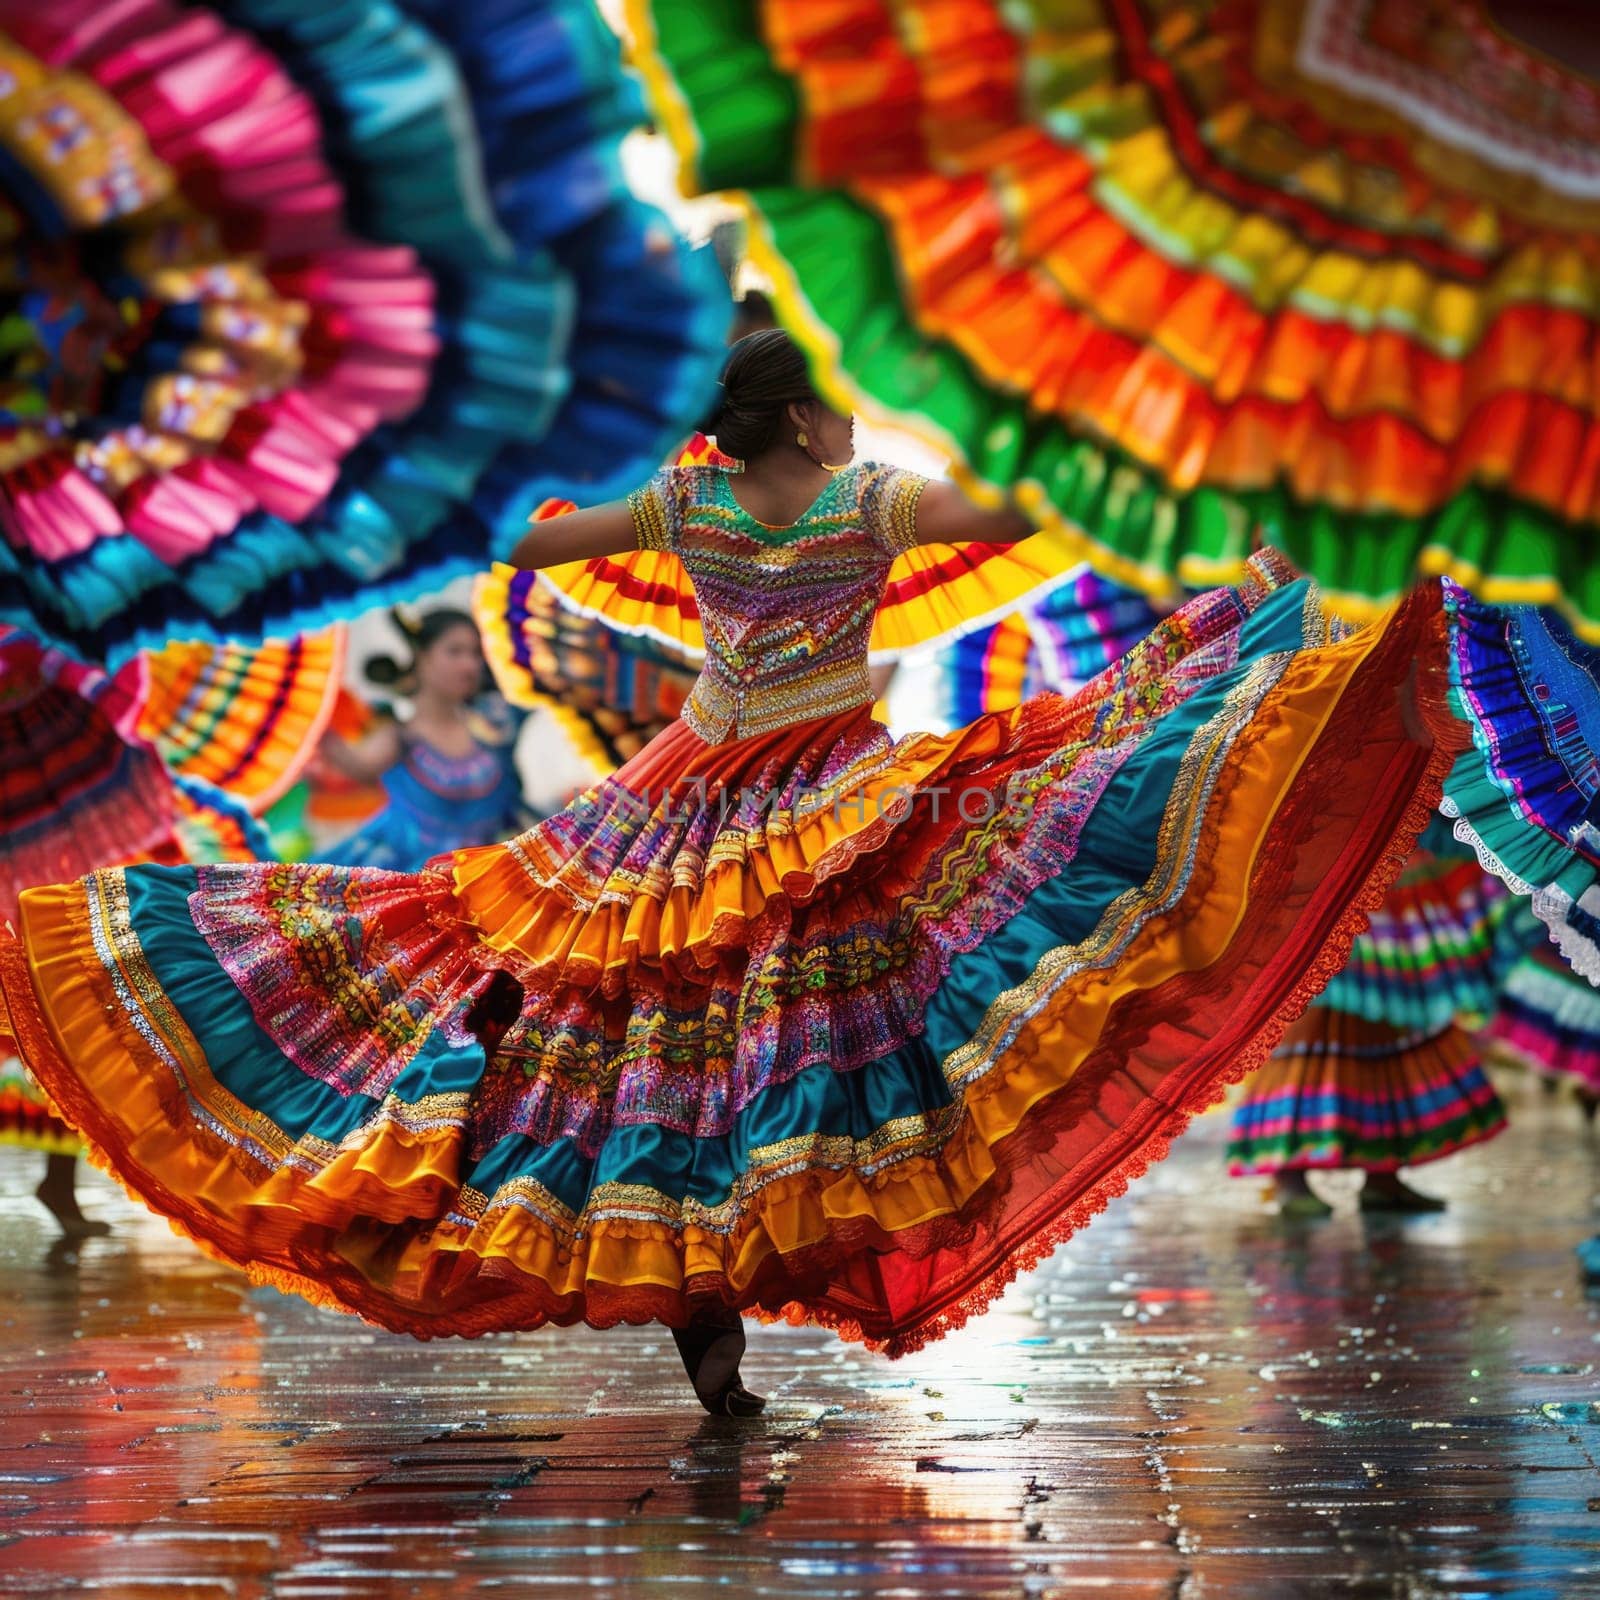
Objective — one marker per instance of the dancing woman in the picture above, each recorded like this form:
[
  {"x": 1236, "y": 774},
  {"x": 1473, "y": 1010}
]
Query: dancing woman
[
  {"x": 1384, "y": 1072},
  {"x": 447, "y": 775},
  {"x": 785, "y": 1018}
]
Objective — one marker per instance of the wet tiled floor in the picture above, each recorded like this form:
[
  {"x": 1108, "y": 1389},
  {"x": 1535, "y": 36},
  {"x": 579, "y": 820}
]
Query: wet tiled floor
[{"x": 1189, "y": 1400}]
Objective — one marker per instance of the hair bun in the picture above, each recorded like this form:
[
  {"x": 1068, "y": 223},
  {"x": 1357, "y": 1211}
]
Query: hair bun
[
  {"x": 765, "y": 372},
  {"x": 384, "y": 671}
]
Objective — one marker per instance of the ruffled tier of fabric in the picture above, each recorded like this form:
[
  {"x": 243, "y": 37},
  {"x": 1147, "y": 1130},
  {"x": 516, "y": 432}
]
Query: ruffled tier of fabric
[
  {"x": 1523, "y": 797},
  {"x": 165, "y": 760},
  {"x": 1344, "y": 1092},
  {"x": 80, "y": 785},
  {"x": 623, "y": 688},
  {"x": 1057, "y": 642},
  {"x": 207, "y": 826},
  {"x": 1082, "y": 627},
  {"x": 984, "y": 672},
  {"x": 683, "y": 852},
  {"x": 1454, "y": 93},
  {"x": 892, "y": 1090},
  {"x": 331, "y": 353},
  {"x": 1549, "y": 1021},
  {"x": 26, "y": 1116},
  {"x": 243, "y": 718},
  {"x": 211, "y": 826},
  {"x": 954, "y": 683},
  {"x": 1437, "y": 949},
  {"x": 1088, "y": 269}
]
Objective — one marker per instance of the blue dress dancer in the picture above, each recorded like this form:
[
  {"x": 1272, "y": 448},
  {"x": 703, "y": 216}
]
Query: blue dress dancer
[{"x": 448, "y": 771}]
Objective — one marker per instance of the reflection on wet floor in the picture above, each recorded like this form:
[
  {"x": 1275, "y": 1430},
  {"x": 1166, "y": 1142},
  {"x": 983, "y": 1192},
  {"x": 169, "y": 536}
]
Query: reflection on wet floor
[{"x": 1190, "y": 1399}]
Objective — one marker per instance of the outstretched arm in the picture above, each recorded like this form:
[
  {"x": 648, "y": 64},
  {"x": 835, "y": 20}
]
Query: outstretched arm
[
  {"x": 363, "y": 760},
  {"x": 946, "y": 516},
  {"x": 578, "y": 536}
]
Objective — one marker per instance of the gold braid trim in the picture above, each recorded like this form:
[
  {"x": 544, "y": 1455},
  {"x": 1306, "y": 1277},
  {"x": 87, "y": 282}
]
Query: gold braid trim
[
  {"x": 903, "y": 500},
  {"x": 649, "y": 518}
]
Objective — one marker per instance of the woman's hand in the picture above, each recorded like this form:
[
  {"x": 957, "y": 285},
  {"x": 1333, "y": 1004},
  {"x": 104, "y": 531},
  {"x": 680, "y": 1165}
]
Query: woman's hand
[
  {"x": 946, "y": 516},
  {"x": 578, "y": 536},
  {"x": 363, "y": 760}
]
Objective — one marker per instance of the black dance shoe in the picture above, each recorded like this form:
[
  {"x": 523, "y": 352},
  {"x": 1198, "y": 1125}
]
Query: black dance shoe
[{"x": 712, "y": 1347}]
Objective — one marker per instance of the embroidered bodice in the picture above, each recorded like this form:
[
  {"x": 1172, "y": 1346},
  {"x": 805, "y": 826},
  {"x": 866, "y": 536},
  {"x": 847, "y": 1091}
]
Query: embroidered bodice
[
  {"x": 787, "y": 612},
  {"x": 437, "y": 803},
  {"x": 471, "y": 787}
]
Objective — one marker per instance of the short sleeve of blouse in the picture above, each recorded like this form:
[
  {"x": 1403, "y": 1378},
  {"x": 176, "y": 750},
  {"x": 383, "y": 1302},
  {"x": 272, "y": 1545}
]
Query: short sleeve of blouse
[
  {"x": 889, "y": 497},
  {"x": 652, "y": 509}
]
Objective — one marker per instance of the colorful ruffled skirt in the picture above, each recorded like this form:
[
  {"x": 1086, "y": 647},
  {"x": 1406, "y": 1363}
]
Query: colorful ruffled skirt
[
  {"x": 98, "y": 768},
  {"x": 817, "y": 1025},
  {"x": 1439, "y": 946},
  {"x": 1380, "y": 1073},
  {"x": 1549, "y": 1020},
  {"x": 1524, "y": 798},
  {"x": 310, "y": 302},
  {"x": 1344, "y": 1092},
  {"x": 1526, "y": 795},
  {"x": 1180, "y": 271}
]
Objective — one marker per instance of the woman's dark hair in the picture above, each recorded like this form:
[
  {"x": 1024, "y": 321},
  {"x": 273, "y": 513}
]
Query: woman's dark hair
[
  {"x": 422, "y": 634},
  {"x": 764, "y": 372}
]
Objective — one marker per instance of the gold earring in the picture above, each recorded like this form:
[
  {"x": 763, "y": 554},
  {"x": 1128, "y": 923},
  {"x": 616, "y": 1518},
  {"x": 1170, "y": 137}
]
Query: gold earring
[{"x": 801, "y": 439}]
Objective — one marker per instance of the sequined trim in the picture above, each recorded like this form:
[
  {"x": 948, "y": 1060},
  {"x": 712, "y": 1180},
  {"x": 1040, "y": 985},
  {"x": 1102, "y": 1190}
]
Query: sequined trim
[
  {"x": 787, "y": 613},
  {"x": 718, "y": 710},
  {"x": 894, "y": 1142},
  {"x": 146, "y": 1009},
  {"x": 901, "y": 523},
  {"x": 650, "y": 528}
]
